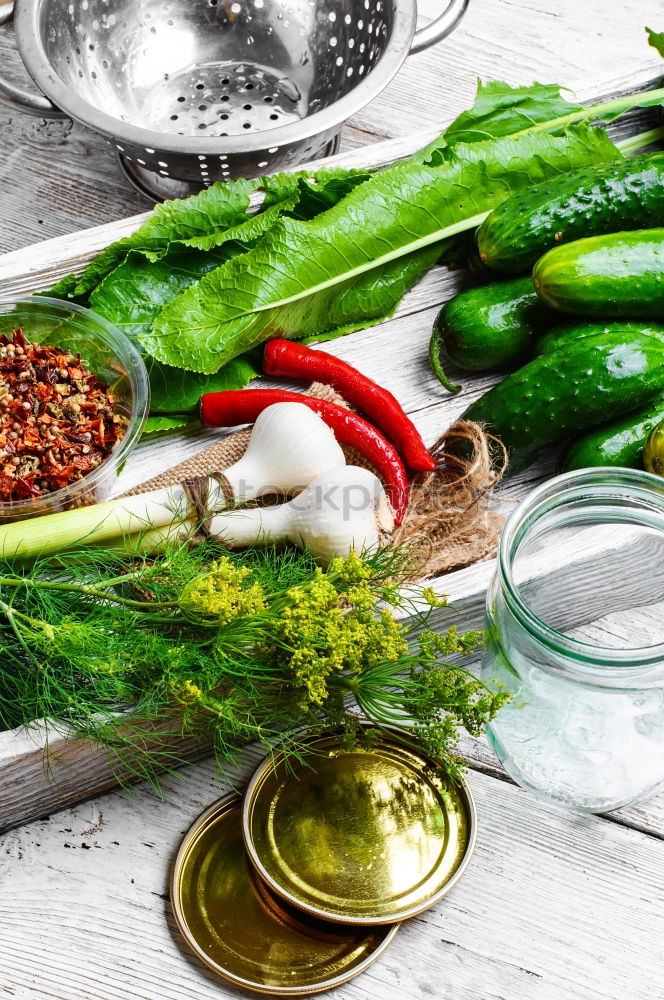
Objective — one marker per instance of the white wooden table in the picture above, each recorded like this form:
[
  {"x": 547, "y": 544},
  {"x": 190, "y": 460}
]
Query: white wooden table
[{"x": 553, "y": 907}]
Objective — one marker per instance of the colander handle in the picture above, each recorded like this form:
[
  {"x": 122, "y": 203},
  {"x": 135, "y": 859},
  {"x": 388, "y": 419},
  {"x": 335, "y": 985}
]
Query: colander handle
[
  {"x": 440, "y": 27},
  {"x": 32, "y": 104}
]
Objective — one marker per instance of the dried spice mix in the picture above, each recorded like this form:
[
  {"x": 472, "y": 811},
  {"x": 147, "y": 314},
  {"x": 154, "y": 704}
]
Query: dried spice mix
[{"x": 57, "y": 420}]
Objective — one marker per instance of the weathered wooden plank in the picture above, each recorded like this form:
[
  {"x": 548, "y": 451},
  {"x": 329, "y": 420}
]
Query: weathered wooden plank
[
  {"x": 32, "y": 785},
  {"x": 393, "y": 353},
  {"x": 56, "y": 178},
  {"x": 519, "y": 41},
  {"x": 37, "y": 267},
  {"x": 552, "y": 906},
  {"x": 41, "y": 771},
  {"x": 79, "y": 770}
]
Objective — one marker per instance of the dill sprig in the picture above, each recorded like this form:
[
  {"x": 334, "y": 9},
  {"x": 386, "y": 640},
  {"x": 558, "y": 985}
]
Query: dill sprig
[{"x": 227, "y": 648}]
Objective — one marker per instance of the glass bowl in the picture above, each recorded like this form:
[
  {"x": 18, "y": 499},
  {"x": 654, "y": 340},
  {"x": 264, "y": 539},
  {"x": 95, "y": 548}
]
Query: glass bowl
[{"x": 108, "y": 354}]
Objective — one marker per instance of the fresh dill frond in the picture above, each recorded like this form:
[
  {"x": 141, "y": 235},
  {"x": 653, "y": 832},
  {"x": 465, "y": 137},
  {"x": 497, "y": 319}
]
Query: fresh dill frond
[{"x": 225, "y": 648}]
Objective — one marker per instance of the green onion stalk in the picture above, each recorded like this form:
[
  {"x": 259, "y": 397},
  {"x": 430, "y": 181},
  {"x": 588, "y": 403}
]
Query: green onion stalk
[{"x": 135, "y": 523}]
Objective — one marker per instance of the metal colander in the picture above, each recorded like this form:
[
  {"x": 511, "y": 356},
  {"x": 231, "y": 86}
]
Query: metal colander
[{"x": 194, "y": 91}]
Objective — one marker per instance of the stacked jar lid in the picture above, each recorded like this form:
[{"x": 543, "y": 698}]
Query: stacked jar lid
[{"x": 300, "y": 884}]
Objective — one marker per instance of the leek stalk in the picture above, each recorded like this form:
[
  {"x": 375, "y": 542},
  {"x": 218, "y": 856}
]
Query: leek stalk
[{"x": 131, "y": 523}]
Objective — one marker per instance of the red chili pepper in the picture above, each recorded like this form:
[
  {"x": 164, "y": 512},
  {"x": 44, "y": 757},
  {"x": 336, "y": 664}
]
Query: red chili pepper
[
  {"x": 286, "y": 358},
  {"x": 242, "y": 406}
]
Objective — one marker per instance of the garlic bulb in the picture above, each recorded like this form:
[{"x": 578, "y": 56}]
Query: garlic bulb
[
  {"x": 289, "y": 446},
  {"x": 345, "y": 508}
]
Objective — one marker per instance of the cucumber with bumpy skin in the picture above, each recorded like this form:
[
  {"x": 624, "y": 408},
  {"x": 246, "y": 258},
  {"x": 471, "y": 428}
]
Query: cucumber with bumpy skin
[
  {"x": 569, "y": 333},
  {"x": 619, "y": 275},
  {"x": 621, "y": 195},
  {"x": 488, "y": 328},
  {"x": 569, "y": 391},
  {"x": 619, "y": 443}
]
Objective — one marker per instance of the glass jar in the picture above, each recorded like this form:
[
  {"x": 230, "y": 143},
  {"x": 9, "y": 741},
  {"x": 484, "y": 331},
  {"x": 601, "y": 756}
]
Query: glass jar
[
  {"x": 575, "y": 631},
  {"x": 111, "y": 356}
]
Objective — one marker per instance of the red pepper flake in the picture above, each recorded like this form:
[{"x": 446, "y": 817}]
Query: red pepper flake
[{"x": 57, "y": 420}]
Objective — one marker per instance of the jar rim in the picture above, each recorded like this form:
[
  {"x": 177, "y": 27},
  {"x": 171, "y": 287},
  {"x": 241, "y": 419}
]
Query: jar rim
[{"x": 641, "y": 488}]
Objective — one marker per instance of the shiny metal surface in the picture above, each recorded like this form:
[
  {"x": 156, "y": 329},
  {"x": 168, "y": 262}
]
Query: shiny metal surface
[
  {"x": 162, "y": 188},
  {"x": 360, "y": 835},
  {"x": 16, "y": 97},
  {"x": 234, "y": 924},
  {"x": 202, "y": 90}
]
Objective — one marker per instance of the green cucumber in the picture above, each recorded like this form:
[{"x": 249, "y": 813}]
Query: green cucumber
[
  {"x": 568, "y": 333},
  {"x": 488, "y": 328},
  {"x": 623, "y": 194},
  {"x": 621, "y": 274},
  {"x": 618, "y": 443},
  {"x": 580, "y": 386},
  {"x": 653, "y": 453}
]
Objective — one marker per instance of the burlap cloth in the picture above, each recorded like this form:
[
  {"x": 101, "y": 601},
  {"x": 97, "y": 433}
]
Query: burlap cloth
[{"x": 449, "y": 522}]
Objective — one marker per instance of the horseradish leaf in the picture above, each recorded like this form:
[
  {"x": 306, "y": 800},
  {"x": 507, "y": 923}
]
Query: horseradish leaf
[{"x": 309, "y": 278}]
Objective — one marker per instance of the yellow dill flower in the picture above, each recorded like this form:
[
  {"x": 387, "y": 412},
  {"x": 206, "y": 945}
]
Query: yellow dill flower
[
  {"x": 361, "y": 596},
  {"x": 222, "y": 594},
  {"x": 186, "y": 692},
  {"x": 349, "y": 570},
  {"x": 433, "y": 600},
  {"x": 331, "y": 625}
]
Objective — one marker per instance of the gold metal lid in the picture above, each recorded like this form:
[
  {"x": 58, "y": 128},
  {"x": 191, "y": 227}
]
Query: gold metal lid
[
  {"x": 361, "y": 835},
  {"x": 242, "y": 931}
]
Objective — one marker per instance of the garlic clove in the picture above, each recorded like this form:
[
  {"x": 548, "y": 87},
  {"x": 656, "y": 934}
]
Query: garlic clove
[
  {"x": 384, "y": 512},
  {"x": 289, "y": 446},
  {"x": 343, "y": 509}
]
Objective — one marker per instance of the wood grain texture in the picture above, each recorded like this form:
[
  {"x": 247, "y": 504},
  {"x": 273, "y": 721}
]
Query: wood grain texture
[
  {"x": 552, "y": 908},
  {"x": 57, "y": 178},
  {"x": 26, "y": 270},
  {"x": 378, "y": 351},
  {"x": 42, "y": 771},
  {"x": 31, "y": 787}
]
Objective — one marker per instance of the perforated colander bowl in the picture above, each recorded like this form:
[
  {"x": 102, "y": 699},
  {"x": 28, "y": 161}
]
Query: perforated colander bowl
[{"x": 193, "y": 91}]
